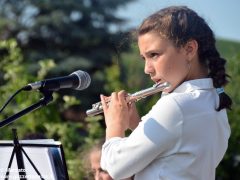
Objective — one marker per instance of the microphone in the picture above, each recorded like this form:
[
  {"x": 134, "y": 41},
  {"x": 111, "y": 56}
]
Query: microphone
[{"x": 78, "y": 80}]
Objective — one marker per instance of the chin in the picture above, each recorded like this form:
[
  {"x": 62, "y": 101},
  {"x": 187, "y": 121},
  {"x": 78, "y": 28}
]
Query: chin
[
  {"x": 170, "y": 89},
  {"x": 167, "y": 90}
]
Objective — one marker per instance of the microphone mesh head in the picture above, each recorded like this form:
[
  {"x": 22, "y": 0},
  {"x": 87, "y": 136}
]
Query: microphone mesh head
[{"x": 84, "y": 79}]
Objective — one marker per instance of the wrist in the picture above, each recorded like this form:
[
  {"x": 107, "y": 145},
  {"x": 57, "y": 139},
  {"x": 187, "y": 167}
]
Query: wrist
[{"x": 115, "y": 131}]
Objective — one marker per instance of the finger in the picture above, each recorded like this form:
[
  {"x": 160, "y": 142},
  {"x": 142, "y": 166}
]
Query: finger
[
  {"x": 129, "y": 104},
  {"x": 107, "y": 98},
  {"x": 122, "y": 96},
  {"x": 132, "y": 105},
  {"x": 114, "y": 97},
  {"x": 104, "y": 103}
]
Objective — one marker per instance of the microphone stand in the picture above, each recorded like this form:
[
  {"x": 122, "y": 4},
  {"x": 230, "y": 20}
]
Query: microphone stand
[
  {"x": 42, "y": 102},
  {"x": 17, "y": 147}
]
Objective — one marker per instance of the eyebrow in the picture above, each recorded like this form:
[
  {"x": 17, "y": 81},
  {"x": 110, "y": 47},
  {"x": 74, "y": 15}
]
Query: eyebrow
[
  {"x": 154, "y": 51},
  {"x": 99, "y": 169}
]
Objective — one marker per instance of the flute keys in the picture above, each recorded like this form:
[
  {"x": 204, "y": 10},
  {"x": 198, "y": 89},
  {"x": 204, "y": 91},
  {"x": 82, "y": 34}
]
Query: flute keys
[{"x": 97, "y": 105}]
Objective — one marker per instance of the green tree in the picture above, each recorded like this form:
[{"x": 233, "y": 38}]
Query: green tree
[
  {"x": 46, "y": 121},
  {"x": 229, "y": 168},
  {"x": 77, "y": 34}
]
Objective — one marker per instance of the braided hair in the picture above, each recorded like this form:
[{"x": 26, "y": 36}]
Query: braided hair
[{"x": 181, "y": 24}]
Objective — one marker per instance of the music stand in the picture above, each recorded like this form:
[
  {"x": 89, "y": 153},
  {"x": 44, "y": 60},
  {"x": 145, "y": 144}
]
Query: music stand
[{"x": 51, "y": 158}]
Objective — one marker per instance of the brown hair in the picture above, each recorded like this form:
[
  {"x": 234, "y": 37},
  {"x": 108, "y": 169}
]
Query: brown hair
[{"x": 181, "y": 24}]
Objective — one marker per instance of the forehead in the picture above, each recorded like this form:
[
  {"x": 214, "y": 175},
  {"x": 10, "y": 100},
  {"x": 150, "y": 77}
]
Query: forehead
[
  {"x": 150, "y": 41},
  {"x": 95, "y": 160},
  {"x": 95, "y": 156}
]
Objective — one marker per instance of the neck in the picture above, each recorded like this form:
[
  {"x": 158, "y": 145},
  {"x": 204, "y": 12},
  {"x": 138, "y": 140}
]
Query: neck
[{"x": 197, "y": 71}]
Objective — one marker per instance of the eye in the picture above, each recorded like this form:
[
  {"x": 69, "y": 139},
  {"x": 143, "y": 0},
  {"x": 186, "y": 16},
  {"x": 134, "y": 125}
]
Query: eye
[
  {"x": 154, "y": 55},
  {"x": 93, "y": 171},
  {"x": 142, "y": 58},
  {"x": 102, "y": 171}
]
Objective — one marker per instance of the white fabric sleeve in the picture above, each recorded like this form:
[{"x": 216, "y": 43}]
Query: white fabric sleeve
[{"x": 156, "y": 136}]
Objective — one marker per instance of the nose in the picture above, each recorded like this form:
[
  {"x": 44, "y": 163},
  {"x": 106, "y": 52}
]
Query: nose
[
  {"x": 97, "y": 176},
  {"x": 148, "y": 68}
]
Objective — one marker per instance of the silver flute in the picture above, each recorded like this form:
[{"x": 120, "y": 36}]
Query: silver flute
[{"x": 97, "y": 107}]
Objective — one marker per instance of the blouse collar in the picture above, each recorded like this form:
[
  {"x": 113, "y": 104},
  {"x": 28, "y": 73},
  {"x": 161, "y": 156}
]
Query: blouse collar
[{"x": 196, "y": 84}]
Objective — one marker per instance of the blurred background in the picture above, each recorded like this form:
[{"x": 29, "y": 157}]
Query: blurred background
[{"x": 46, "y": 39}]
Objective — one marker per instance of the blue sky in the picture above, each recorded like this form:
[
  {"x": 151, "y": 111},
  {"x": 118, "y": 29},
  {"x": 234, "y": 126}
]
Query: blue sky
[{"x": 223, "y": 16}]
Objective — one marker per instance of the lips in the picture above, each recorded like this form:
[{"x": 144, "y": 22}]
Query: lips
[{"x": 156, "y": 80}]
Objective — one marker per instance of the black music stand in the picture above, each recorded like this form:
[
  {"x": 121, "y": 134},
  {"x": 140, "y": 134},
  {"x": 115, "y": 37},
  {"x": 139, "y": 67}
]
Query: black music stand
[
  {"x": 58, "y": 159},
  {"x": 56, "y": 155}
]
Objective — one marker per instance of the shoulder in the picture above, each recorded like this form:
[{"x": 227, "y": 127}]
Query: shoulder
[
  {"x": 166, "y": 112},
  {"x": 171, "y": 103},
  {"x": 182, "y": 101},
  {"x": 179, "y": 98}
]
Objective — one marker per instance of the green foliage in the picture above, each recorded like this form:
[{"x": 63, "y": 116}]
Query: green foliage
[
  {"x": 14, "y": 77},
  {"x": 228, "y": 49},
  {"x": 77, "y": 34},
  {"x": 46, "y": 121},
  {"x": 229, "y": 168},
  {"x": 77, "y": 138}
]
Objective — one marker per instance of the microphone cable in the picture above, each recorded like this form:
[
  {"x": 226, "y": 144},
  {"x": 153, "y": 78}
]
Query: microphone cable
[{"x": 10, "y": 99}]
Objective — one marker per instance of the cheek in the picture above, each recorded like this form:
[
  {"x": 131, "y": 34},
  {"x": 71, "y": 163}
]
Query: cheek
[
  {"x": 165, "y": 67},
  {"x": 106, "y": 177},
  {"x": 175, "y": 71}
]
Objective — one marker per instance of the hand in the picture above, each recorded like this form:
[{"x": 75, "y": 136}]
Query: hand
[
  {"x": 116, "y": 114},
  {"x": 134, "y": 118}
]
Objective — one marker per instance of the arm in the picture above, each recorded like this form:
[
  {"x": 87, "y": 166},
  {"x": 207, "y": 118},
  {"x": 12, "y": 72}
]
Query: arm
[{"x": 156, "y": 136}]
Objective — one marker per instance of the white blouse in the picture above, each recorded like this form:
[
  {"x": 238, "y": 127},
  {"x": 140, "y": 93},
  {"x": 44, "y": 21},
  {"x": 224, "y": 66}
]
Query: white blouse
[{"x": 182, "y": 137}]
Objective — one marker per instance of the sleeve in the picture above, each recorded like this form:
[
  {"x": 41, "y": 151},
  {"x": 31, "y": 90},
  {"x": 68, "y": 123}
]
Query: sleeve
[{"x": 157, "y": 135}]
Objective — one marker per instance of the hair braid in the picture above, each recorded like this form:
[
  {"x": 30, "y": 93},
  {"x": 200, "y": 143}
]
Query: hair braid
[
  {"x": 216, "y": 66},
  {"x": 210, "y": 56}
]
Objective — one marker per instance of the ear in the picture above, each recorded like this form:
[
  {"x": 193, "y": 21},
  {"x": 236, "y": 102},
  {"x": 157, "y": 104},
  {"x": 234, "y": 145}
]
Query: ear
[{"x": 191, "y": 49}]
